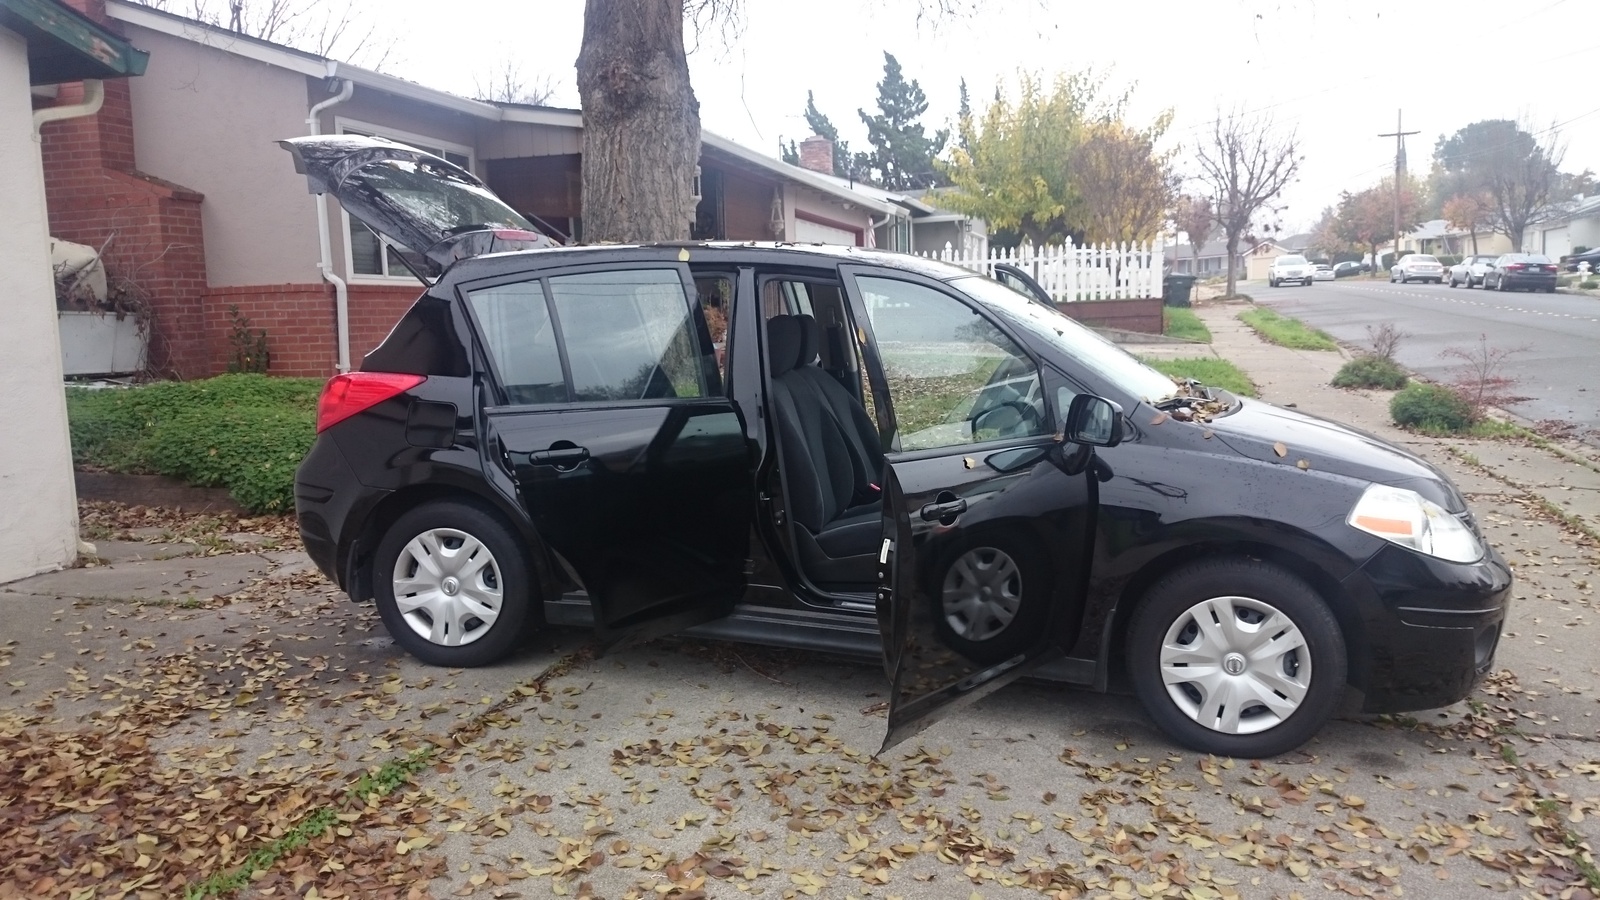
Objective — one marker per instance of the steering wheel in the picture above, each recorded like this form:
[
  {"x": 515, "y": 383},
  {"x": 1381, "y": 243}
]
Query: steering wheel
[{"x": 1008, "y": 418}]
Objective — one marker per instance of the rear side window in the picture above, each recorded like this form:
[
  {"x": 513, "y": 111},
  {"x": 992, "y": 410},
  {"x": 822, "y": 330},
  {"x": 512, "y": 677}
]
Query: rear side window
[{"x": 595, "y": 337}]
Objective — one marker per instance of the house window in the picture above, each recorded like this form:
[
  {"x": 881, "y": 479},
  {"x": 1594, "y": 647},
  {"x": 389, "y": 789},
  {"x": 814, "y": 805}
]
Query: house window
[{"x": 368, "y": 258}]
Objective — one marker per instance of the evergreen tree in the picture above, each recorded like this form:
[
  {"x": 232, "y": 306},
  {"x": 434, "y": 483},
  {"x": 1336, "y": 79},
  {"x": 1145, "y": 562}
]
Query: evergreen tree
[
  {"x": 902, "y": 155},
  {"x": 822, "y": 125},
  {"x": 789, "y": 153},
  {"x": 964, "y": 120}
]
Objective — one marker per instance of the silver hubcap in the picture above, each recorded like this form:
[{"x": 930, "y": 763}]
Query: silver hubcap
[
  {"x": 447, "y": 586},
  {"x": 982, "y": 593},
  {"x": 1235, "y": 665}
]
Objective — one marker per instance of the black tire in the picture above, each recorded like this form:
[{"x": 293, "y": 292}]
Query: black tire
[
  {"x": 1034, "y": 586},
  {"x": 1168, "y": 602},
  {"x": 507, "y": 570},
  {"x": 1452, "y": 281}
]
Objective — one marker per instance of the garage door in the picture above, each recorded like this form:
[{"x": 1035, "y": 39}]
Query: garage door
[
  {"x": 814, "y": 232},
  {"x": 1556, "y": 243}
]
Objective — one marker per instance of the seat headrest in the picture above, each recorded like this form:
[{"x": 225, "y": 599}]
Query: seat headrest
[
  {"x": 783, "y": 344},
  {"x": 809, "y": 334}
]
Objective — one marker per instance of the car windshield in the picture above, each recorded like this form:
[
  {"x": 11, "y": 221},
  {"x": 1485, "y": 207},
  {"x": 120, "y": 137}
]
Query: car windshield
[
  {"x": 435, "y": 195},
  {"x": 1081, "y": 344},
  {"x": 1483, "y": 259},
  {"x": 1419, "y": 258},
  {"x": 1291, "y": 261}
]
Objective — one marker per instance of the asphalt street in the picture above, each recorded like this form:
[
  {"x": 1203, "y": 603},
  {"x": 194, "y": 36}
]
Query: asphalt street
[{"x": 1556, "y": 336}]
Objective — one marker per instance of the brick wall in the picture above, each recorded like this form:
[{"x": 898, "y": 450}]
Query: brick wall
[
  {"x": 149, "y": 229},
  {"x": 301, "y": 324},
  {"x": 1129, "y": 315}
]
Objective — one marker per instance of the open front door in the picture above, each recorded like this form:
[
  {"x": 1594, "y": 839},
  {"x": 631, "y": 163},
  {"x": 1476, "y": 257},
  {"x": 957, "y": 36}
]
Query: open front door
[
  {"x": 939, "y": 587},
  {"x": 632, "y": 463}
]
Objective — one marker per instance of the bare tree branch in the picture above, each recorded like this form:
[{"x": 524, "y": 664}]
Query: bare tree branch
[{"x": 1247, "y": 162}]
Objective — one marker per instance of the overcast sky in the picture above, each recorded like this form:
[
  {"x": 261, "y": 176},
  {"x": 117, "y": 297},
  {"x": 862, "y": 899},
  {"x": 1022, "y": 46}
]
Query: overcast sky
[{"x": 1336, "y": 70}]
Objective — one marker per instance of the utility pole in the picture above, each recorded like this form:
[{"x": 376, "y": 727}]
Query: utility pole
[{"x": 1399, "y": 134}]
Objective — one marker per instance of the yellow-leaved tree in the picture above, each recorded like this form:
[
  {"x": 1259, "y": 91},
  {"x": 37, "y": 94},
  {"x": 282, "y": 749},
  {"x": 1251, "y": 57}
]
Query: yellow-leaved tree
[{"x": 1059, "y": 162}]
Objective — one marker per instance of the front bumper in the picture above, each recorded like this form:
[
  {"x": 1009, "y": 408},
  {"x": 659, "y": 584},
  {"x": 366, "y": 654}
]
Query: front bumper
[{"x": 1431, "y": 627}]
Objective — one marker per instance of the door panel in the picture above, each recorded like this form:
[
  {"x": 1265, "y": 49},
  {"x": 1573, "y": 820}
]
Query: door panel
[
  {"x": 633, "y": 466},
  {"x": 648, "y": 504},
  {"x": 1020, "y": 501}
]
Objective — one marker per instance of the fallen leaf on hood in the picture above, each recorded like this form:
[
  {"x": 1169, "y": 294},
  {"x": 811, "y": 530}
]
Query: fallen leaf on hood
[
  {"x": 1304, "y": 464},
  {"x": 1160, "y": 417},
  {"x": 1280, "y": 449}
]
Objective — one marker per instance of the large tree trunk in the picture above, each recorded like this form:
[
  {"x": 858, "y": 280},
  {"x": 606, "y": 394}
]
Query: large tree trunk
[
  {"x": 641, "y": 122},
  {"x": 1233, "y": 271}
]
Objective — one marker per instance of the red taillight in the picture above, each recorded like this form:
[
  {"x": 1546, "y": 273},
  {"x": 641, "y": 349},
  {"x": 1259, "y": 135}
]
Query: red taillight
[
  {"x": 1515, "y": 267},
  {"x": 350, "y": 393}
]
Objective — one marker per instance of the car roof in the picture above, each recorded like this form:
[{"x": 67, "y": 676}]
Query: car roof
[{"x": 773, "y": 253}]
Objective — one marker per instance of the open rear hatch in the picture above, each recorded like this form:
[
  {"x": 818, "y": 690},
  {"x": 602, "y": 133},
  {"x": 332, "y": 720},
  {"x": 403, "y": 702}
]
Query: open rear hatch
[{"x": 432, "y": 212}]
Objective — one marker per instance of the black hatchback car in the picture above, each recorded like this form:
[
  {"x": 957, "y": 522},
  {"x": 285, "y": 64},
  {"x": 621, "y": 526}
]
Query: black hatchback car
[{"x": 848, "y": 450}]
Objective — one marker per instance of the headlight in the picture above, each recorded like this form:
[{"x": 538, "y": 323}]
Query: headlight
[{"x": 1411, "y": 520}]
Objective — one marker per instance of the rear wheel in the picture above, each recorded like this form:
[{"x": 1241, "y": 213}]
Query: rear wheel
[
  {"x": 1236, "y": 657},
  {"x": 452, "y": 585}
]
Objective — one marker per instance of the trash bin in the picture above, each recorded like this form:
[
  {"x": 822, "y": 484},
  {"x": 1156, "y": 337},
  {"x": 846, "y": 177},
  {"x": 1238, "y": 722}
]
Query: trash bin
[{"x": 1175, "y": 289}]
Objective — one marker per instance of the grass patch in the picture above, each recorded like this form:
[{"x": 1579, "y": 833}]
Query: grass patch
[
  {"x": 1371, "y": 372},
  {"x": 246, "y": 433},
  {"x": 1207, "y": 370},
  {"x": 1183, "y": 323},
  {"x": 1286, "y": 332}
]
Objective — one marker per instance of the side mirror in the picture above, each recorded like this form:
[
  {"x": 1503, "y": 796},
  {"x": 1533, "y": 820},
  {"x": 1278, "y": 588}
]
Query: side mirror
[{"x": 1094, "y": 421}]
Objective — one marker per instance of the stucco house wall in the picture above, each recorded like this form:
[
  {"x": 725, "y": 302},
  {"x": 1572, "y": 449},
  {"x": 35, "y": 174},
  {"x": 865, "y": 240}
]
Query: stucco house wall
[
  {"x": 38, "y": 505},
  {"x": 208, "y": 119}
]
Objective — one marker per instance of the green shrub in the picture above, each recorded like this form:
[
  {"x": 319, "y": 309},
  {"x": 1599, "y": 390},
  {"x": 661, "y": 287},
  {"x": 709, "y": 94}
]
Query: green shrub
[
  {"x": 1589, "y": 284},
  {"x": 1447, "y": 260},
  {"x": 1431, "y": 407},
  {"x": 243, "y": 432},
  {"x": 1370, "y": 371}
]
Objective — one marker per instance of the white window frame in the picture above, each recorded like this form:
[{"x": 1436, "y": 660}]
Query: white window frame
[{"x": 343, "y": 125}]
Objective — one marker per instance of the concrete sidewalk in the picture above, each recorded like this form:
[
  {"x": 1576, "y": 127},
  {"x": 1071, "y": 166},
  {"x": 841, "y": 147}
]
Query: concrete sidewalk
[{"x": 169, "y": 712}]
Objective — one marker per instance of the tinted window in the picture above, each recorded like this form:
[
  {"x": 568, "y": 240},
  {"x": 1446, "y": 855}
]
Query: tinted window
[
  {"x": 520, "y": 341},
  {"x": 1291, "y": 261},
  {"x": 1422, "y": 258},
  {"x": 629, "y": 335},
  {"x": 953, "y": 377}
]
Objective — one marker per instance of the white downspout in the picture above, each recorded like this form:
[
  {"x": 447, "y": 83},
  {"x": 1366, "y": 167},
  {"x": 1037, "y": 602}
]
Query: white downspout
[
  {"x": 94, "y": 94},
  {"x": 341, "y": 291}
]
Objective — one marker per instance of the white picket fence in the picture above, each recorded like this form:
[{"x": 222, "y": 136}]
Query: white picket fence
[{"x": 1069, "y": 273}]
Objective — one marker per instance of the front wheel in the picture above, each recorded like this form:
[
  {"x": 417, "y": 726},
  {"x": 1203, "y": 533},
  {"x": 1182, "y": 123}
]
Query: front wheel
[
  {"x": 994, "y": 596},
  {"x": 1236, "y": 657},
  {"x": 452, "y": 585}
]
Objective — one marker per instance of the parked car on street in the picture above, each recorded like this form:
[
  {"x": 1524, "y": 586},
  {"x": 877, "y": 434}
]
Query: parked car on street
[
  {"x": 1322, "y": 272},
  {"x": 547, "y": 438},
  {"x": 1416, "y": 267},
  {"x": 1592, "y": 257},
  {"x": 1290, "y": 268},
  {"x": 1521, "y": 272},
  {"x": 1346, "y": 269},
  {"x": 1470, "y": 271}
]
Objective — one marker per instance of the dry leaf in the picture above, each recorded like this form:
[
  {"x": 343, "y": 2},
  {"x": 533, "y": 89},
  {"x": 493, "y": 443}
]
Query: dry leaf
[
  {"x": 1280, "y": 449},
  {"x": 1160, "y": 417}
]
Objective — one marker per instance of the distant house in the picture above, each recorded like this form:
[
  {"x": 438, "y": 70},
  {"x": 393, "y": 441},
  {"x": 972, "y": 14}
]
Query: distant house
[
  {"x": 1212, "y": 261},
  {"x": 1262, "y": 256},
  {"x": 181, "y": 174},
  {"x": 1573, "y": 224},
  {"x": 1437, "y": 237}
]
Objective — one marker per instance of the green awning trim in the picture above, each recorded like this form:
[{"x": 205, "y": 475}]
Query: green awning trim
[{"x": 64, "y": 45}]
